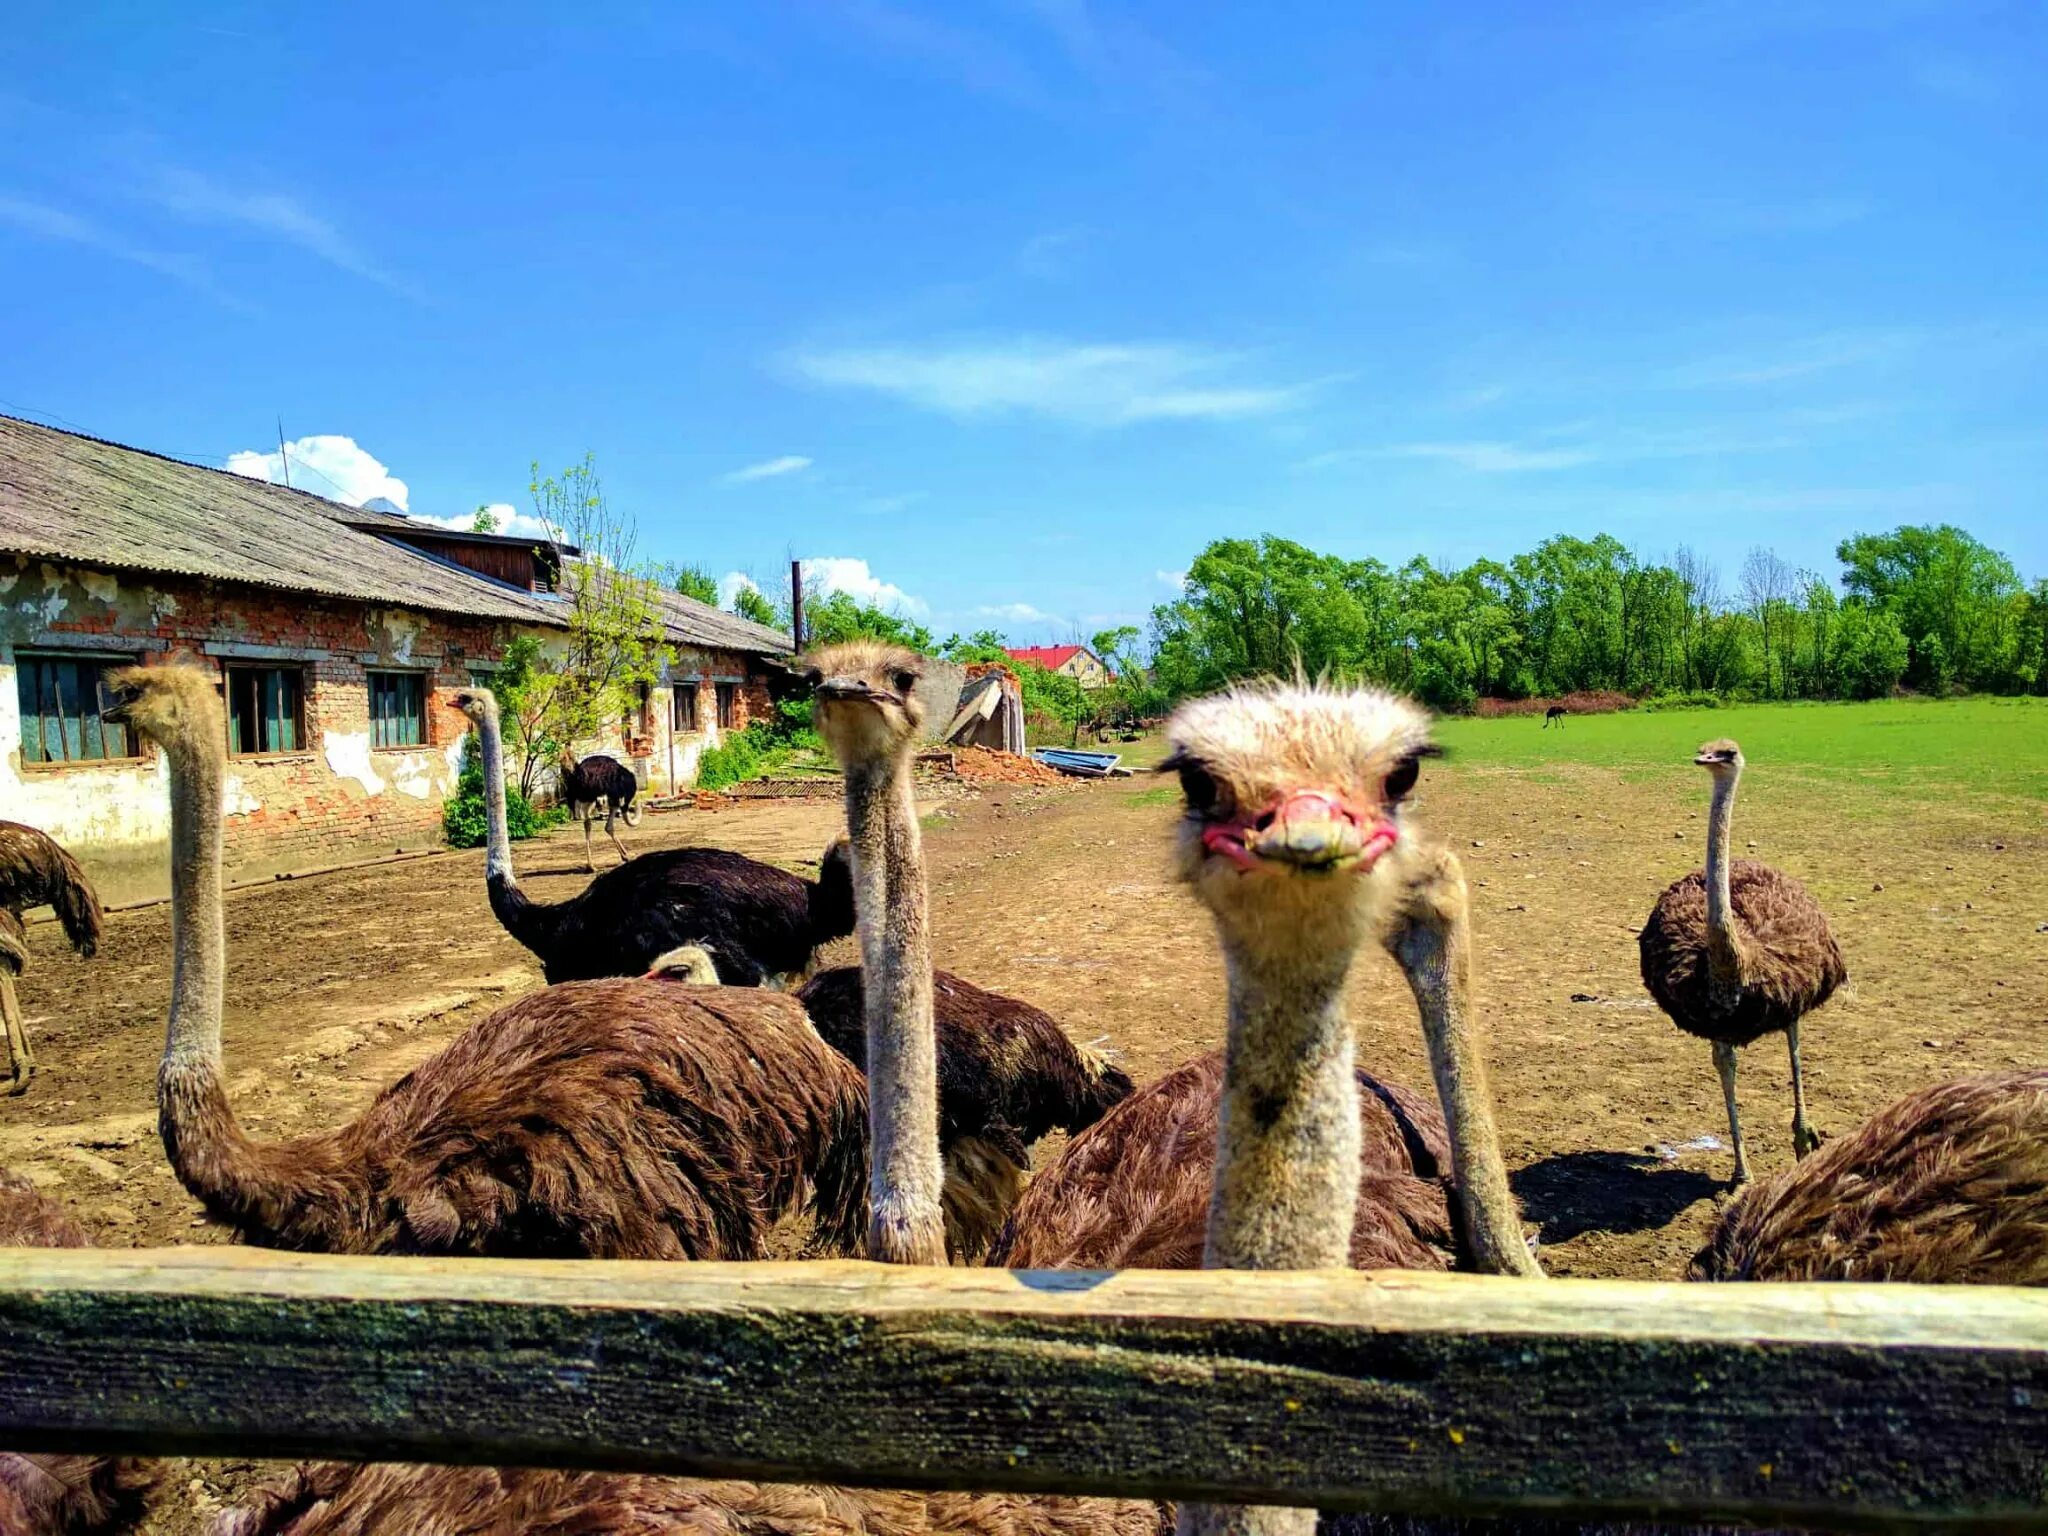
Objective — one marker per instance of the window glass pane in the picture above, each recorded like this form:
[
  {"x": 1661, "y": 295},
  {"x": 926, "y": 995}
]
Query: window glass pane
[
  {"x": 397, "y": 709},
  {"x": 61, "y": 700}
]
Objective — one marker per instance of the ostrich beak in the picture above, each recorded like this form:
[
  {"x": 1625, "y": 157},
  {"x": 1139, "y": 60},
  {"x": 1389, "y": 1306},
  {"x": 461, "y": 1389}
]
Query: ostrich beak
[
  {"x": 1311, "y": 830},
  {"x": 848, "y": 690}
]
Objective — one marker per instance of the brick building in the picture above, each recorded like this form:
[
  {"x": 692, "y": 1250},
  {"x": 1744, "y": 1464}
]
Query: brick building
[{"x": 338, "y": 636}]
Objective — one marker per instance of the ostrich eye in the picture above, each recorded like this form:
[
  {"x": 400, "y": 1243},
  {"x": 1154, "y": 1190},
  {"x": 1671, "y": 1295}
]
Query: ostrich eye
[
  {"x": 1401, "y": 780},
  {"x": 904, "y": 681},
  {"x": 1205, "y": 796}
]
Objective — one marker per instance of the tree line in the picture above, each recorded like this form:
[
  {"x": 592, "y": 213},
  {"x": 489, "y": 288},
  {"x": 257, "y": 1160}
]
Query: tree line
[{"x": 1926, "y": 608}]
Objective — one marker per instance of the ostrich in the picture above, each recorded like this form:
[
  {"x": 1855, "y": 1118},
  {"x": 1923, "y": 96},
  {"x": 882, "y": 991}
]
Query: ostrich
[
  {"x": 759, "y": 921},
  {"x": 1008, "y": 1076},
  {"x": 603, "y": 1119},
  {"x": 401, "y": 1500},
  {"x": 1739, "y": 950},
  {"x": 1555, "y": 714},
  {"x": 597, "y": 785},
  {"x": 1948, "y": 1185},
  {"x": 49, "y": 1495},
  {"x": 1294, "y": 840},
  {"x": 34, "y": 870},
  {"x": 867, "y": 711}
]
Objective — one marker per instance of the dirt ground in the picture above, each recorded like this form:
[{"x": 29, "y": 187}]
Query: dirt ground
[{"x": 1612, "y": 1119}]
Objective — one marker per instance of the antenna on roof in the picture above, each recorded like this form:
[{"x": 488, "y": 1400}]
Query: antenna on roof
[{"x": 284, "y": 460}]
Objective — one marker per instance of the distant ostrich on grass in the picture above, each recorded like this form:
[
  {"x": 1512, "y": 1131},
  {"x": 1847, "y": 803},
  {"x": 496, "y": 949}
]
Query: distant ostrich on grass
[
  {"x": 54, "y": 1495},
  {"x": 35, "y": 871},
  {"x": 1294, "y": 838},
  {"x": 1554, "y": 715},
  {"x": 1008, "y": 1076},
  {"x": 598, "y": 785},
  {"x": 604, "y": 1119},
  {"x": 761, "y": 923},
  {"x": 1737, "y": 951}
]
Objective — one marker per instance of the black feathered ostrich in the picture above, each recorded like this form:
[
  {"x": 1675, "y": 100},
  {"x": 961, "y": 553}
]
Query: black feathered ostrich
[
  {"x": 761, "y": 923},
  {"x": 598, "y": 785},
  {"x": 35, "y": 871}
]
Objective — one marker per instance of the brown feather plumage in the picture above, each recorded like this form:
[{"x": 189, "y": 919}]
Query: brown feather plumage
[
  {"x": 1949, "y": 1185},
  {"x": 35, "y": 871},
  {"x": 328, "y": 1500},
  {"x": 1790, "y": 962},
  {"x": 1133, "y": 1191},
  {"x": 51, "y": 1495},
  {"x": 598, "y": 1119}
]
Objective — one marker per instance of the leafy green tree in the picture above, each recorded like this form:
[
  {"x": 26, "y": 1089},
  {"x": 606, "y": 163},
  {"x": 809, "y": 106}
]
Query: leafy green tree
[
  {"x": 1960, "y": 604},
  {"x": 484, "y": 520},
  {"x": 840, "y": 616},
  {"x": 751, "y": 603},
  {"x": 569, "y": 691},
  {"x": 695, "y": 581},
  {"x": 1867, "y": 652}
]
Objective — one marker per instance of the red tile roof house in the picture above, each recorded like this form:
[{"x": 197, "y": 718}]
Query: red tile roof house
[
  {"x": 338, "y": 635},
  {"x": 1076, "y": 661}
]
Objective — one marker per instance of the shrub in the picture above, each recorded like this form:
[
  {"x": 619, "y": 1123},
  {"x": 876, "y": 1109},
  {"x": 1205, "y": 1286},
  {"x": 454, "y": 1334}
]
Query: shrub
[
  {"x": 1697, "y": 698},
  {"x": 465, "y": 821},
  {"x": 1592, "y": 701}
]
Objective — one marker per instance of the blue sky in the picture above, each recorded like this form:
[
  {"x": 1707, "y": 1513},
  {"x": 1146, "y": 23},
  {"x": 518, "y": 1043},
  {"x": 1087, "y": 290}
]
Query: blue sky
[{"x": 1020, "y": 303}]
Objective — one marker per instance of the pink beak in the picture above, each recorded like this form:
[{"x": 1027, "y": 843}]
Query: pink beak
[{"x": 1309, "y": 829}]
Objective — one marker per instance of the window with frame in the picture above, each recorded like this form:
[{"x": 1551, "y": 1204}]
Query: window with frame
[
  {"x": 398, "y": 709},
  {"x": 682, "y": 711},
  {"x": 62, "y": 700},
  {"x": 266, "y": 709},
  {"x": 728, "y": 705}
]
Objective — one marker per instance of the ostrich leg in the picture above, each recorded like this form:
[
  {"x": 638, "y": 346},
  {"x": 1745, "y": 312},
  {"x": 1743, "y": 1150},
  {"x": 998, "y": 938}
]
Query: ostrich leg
[
  {"x": 586, "y": 815},
  {"x": 1803, "y": 1139},
  {"x": 1724, "y": 1061},
  {"x": 610, "y": 810},
  {"x": 21, "y": 1061}
]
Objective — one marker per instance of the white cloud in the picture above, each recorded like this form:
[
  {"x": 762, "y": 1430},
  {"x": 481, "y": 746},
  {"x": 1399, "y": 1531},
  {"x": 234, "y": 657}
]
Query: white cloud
[
  {"x": 1492, "y": 458},
  {"x": 327, "y": 465},
  {"x": 840, "y": 573},
  {"x": 1015, "y": 613},
  {"x": 732, "y": 583},
  {"x": 1178, "y": 580},
  {"x": 1101, "y": 385},
  {"x": 769, "y": 469},
  {"x": 201, "y": 200},
  {"x": 512, "y": 523}
]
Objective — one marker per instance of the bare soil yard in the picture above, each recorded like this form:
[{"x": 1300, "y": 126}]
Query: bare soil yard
[{"x": 339, "y": 984}]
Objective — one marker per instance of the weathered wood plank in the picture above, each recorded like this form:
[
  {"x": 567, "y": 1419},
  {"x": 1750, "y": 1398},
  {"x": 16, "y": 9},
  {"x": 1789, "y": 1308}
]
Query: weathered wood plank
[{"x": 1874, "y": 1406}]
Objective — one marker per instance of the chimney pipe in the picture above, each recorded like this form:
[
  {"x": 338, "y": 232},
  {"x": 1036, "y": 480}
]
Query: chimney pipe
[{"x": 796, "y": 603}]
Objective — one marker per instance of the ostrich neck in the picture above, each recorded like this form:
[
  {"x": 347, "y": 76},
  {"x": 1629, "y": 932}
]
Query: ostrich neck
[
  {"x": 498, "y": 836},
  {"x": 1287, "y": 1141},
  {"x": 1438, "y": 963},
  {"x": 1724, "y": 945},
  {"x": 1287, "y": 1153},
  {"x": 205, "y": 1145},
  {"x": 906, "y": 1225}
]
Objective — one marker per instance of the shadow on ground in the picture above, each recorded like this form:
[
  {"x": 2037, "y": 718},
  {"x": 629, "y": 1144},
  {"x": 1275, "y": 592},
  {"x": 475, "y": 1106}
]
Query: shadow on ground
[{"x": 1573, "y": 1193}]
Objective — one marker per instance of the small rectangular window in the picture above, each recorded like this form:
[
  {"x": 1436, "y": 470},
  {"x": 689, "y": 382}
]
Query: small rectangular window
[
  {"x": 682, "y": 715},
  {"x": 266, "y": 709},
  {"x": 728, "y": 705},
  {"x": 398, "y": 709},
  {"x": 62, "y": 699}
]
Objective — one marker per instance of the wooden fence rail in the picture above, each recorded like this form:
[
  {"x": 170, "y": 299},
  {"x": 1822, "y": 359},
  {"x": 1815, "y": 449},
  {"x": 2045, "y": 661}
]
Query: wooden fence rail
[{"x": 1851, "y": 1407}]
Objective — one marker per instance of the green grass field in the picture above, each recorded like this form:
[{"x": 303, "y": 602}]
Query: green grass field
[{"x": 1976, "y": 749}]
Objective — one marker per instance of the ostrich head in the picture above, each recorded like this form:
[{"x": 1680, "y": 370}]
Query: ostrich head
[
  {"x": 1294, "y": 804},
  {"x": 689, "y": 963},
  {"x": 174, "y": 704},
  {"x": 867, "y": 709},
  {"x": 477, "y": 703},
  {"x": 1720, "y": 758}
]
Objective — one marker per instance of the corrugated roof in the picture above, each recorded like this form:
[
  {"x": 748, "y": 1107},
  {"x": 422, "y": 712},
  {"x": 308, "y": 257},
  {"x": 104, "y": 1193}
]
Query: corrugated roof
[
  {"x": 690, "y": 622},
  {"x": 1050, "y": 657},
  {"x": 68, "y": 497}
]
